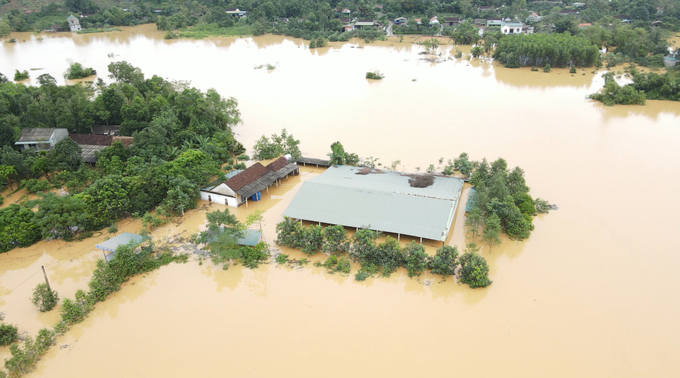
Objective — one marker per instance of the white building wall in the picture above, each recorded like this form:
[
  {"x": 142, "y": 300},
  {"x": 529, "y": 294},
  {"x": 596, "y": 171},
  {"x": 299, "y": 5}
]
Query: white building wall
[{"x": 218, "y": 198}]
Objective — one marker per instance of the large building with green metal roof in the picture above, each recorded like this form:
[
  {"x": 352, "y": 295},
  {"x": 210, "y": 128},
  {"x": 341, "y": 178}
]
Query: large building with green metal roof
[{"x": 379, "y": 200}]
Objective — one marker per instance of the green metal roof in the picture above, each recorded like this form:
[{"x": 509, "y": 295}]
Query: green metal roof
[
  {"x": 380, "y": 200},
  {"x": 122, "y": 239}
]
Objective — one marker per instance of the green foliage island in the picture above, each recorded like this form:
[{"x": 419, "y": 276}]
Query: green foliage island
[
  {"x": 181, "y": 136},
  {"x": 77, "y": 71}
]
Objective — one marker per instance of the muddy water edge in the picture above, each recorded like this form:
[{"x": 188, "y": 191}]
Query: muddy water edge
[{"x": 593, "y": 292}]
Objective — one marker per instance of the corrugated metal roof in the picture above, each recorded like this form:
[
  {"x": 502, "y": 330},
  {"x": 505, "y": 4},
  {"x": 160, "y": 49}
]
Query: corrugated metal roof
[
  {"x": 87, "y": 152},
  {"x": 258, "y": 185},
  {"x": 383, "y": 202},
  {"x": 122, "y": 239},
  {"x": 35, "y": 135}
]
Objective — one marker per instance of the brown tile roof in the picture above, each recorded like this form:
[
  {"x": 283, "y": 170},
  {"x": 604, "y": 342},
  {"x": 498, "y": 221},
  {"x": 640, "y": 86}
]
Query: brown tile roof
[
  {"x": 92, "y": 140},
  {"x": 277, "y": 164},
  {"x": 244, "y": 178},
  {"x": 126, "y": 140}
]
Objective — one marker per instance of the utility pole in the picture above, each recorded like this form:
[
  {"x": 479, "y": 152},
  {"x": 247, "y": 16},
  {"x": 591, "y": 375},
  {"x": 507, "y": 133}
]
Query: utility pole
[{"x": 46, "y": 281}]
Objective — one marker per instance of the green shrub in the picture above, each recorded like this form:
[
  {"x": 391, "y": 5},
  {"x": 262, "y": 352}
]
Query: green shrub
[
  {"x": 21, "y": 75},
  {"x": 546, "y": 68},
  {"x": 44, "y": 298},
  {"x": 77, "y": 71},
  {"x": 8, "y": 334},
  {"x": 344, "y": 265},
  {"x": 416, "y": 258},
  {"x": 361, "y": 275},
  {"x": 444, "y": 261},
  {"x": 35, "y": 185},
  {"x": 281, "y": 258},
  {"x": 25, "y": 358},
  {"x": 74, "y": 311},
  {"x": 243, "y": 157},
  {"x": 374, "y": 75},
  {"x": 251, "y": 257},
  {"x": 534, "y": 69},
  {"x": 475, "y": 270},
  {"x": 112, "y": 229}
]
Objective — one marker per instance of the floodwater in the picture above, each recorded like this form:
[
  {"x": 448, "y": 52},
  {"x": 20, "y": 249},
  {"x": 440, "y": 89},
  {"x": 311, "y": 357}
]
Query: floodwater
[{"x": 594, "y": 292}]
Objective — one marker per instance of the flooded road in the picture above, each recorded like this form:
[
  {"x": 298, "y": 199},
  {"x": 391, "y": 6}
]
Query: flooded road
[{"x": 594, "y": 292}]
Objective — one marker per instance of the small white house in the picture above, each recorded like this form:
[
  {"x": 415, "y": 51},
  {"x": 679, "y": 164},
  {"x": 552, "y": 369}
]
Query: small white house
[
  {"x": 434, "y": 21},
  {"x": 510, "y": 28},
  {"x": 73, "y": 23},
  {"x": 236, "y": 12}
]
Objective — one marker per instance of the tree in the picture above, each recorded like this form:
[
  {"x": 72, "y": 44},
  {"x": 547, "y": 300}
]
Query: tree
[
  {"x": 65, "y": 156},
  {"x": 463, "y": 165},
  {"x": 44, "y": 298},
  {"x": 335, "y": 239},
  {"x": 5, "y": 172},
  {"x": 640, "y": 13},
  {"x": 182, "y": 195},
  {"x": 475, "y": 270},
  {"x": 18, "y": 227},
  {"x": 473, "y": 221},
  {"x": 338, "y": 156},
  {"x": 124, "y": 72},
  {"x": 566, "y": 24},
  {"x": 465, "y": 33},
  {"x": 60, "y": 217},
  {"x": 444, "y": 261},
  {"x": 416, "y": 258},
  {"x": 491, "y": 233},
  {"x": 290, "y": 233},
  {"x": 313, "y": 241}
]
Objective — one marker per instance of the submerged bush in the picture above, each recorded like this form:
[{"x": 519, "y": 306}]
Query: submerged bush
[
  {"x": 25, "y": 357},
  {"x": 21, "y": 75},
  {"x": 374, "y": 75},
  {"x": 77, "y": 71},
  {"x": 8, "y": 334},
  {"x": 44, "y": 297}
]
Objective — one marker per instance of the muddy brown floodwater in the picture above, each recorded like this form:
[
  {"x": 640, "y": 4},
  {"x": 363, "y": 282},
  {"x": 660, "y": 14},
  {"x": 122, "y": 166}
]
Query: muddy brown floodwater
[{"x": 594, "y": 292}]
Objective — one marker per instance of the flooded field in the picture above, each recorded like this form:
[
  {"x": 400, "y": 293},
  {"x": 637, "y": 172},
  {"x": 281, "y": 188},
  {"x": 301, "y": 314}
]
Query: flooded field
[{"x": 594, "y": 292}]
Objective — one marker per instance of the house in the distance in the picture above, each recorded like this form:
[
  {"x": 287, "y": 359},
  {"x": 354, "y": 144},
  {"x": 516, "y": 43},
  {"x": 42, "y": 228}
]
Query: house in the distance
[
  {"x": 360, "y": 24},
  {"x": 510, "y": 28},
  {"x": 236, "y": 12},
  {"x": 452, "y": 21},
  {"x": 73, "y": 23},
  {"x": 41, "y": 139}
]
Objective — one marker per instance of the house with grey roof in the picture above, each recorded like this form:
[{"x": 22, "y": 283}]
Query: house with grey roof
[
  {"x": 41, "y": 139},
  {"x": 73, "y": 23},
  {"x": 378, "y": 200}
]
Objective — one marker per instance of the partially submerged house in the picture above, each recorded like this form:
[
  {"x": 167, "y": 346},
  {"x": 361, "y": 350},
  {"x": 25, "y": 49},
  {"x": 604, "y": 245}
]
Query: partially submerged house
[
  {"x": 249, "y": 183},
  {"x": 379, "y": 200},
  {"x": 41, "y": 139},
  {"x": 400, "y": 21},
  {"x": 112, "y": 244},
  {"x": 73, "y": 23}
]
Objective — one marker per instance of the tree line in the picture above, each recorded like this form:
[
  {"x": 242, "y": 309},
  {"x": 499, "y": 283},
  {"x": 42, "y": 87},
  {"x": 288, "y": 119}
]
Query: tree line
[
  {"x": 382, "y": 258},
  {"x": 181, "y": 136},
  {"x": 557, "y": 50}
]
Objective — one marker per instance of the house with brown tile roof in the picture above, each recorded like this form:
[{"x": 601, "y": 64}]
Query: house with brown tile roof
[{"x": 237, "y": 189}]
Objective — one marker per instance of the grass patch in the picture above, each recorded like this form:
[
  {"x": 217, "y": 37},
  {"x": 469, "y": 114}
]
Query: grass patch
[
  {"x": 212, "y": 30},
  {"x": 100, "y": 30}
]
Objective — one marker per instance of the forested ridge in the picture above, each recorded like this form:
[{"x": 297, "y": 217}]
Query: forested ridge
[{"x": 181, "y": 137}]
